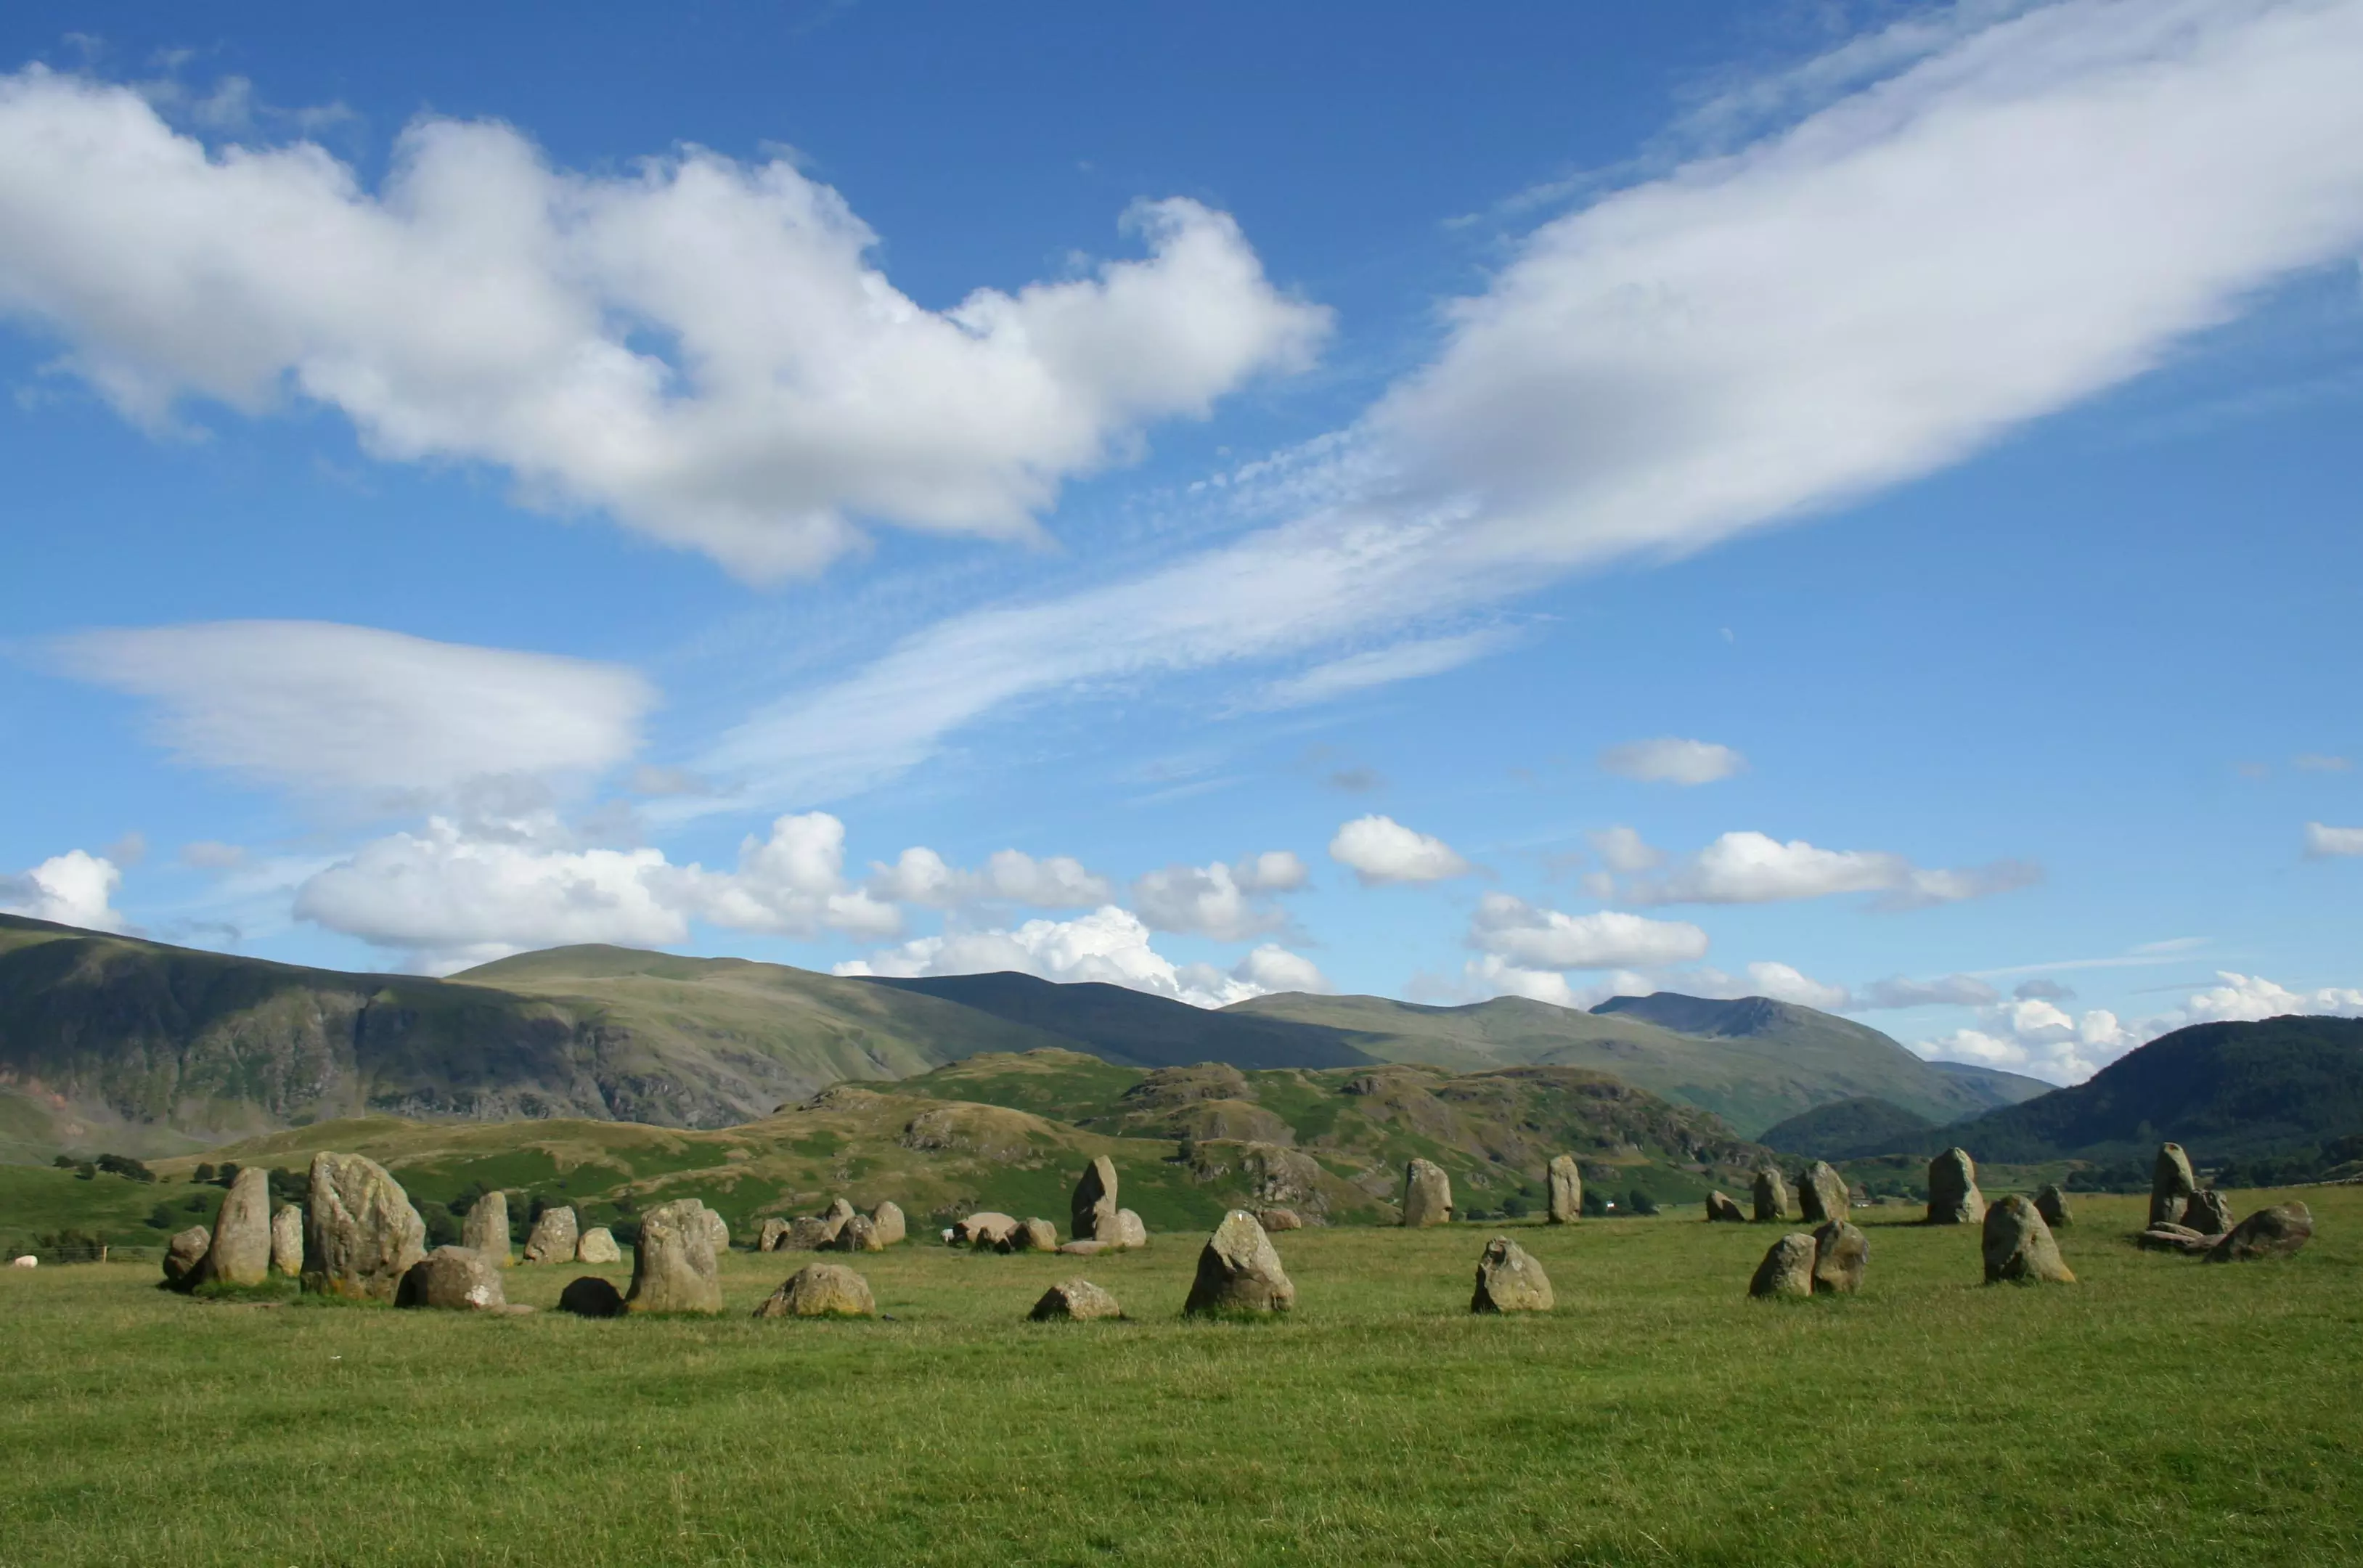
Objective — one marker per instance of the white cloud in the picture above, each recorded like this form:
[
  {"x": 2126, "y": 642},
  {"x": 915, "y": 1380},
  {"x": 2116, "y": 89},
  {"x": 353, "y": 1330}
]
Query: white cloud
[
  {"x": 1781, "y": 982},
  {"x": 348, "y": 707},
  {"x": 2317, "y": 763},
  {"x": 76, "y": 888},
  {"x": 1944, "y": 991},
  {"x": 1494, "y": 977},
  {"x": 1215, "y": 900},
  {"x": 1672, "y": 760},
  {"x": 211, "y": 854},
  {"x": 1753, "y": 868},
  {"x": 481, "y": 306},
  {"x": 1625, "y": 851},
  {"x": 1378, "y": 667},
  {"x": 2029, "y": 213},
  {"x": 923, "y": 876},
  {"x": 2252, "y": 996},
  {"x": 1108, "y": 945},
  {"x": 2321, "y": 841},
  {"x": 1381, "y": 850},
  {"x": 1511, "y": 928}
]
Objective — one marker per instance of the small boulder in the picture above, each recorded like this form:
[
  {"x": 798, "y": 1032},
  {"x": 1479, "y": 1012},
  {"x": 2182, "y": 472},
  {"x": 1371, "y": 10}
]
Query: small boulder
[
  {"x": 773, "y": 1233},
  {"x": 1078, "y": 1300},
  {"x": 820, "y": 1290},
  {"x": 360, "y": 1235},
  {"x": 486, "y": 1230},
  {"x": 185, "y": 1254},
  {"x": 2275, "y": 1232},
  {"x": 673, "y": 1267},
  {"x": 1840, "y": 1254},
  {"x": 1032, "y": 1235},
  {"x": 1092, "y": 1209},
  {"x": 597, "y": 1245},
  {"x": 591, "y": 1296},
  {"x": 1953, "y": 1196},
  {"x": 2171, "y": 1182},
  {"x": 1278, "y": 1219},
  {"x": 990, "y": 1228},
  {"x": 809, "y": 1233},
  {"x": 554, "y": 1237},
  {"x": 2052, "y": 1203},
  {"x": 1821, "y": 1193},
  {"x": 240, "y": 1254},
  {"x": 1722, "y": 1208},
  {"x": 1772, "y": 1194},
  {"x": 1564, "y": 1179},
  {"x": 1129, "y": 1230},
  {"x": 1087, "y": 1249},
  {"x": 1427, "y": 1195},
  {"x": 1510, "y": 1280},
  {"x": 1239, "y": 1271},
  {"x": 452, "y": 1279},
  {"x": 2176, "y": 1238},
  {"x": 718, "y": 1233},
  {"x": 858, "y": 1234},
  {"x": 1787, "y": 1268},
  {"x": 887, "y": 1220},
  {"x": 287, "y": 1240},
  {"x": 2208, "y": 1212},
  {"x": 2018, "y": 1246}
]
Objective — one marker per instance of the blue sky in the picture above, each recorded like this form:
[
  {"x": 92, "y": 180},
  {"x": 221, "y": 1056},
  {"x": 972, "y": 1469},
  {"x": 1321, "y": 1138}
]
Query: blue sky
[{"x": 1852, "y": 504}]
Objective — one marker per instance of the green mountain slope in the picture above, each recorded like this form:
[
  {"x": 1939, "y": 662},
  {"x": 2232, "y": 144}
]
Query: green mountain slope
[
  {"x": 1130, "y": 1025},
  {"x": 1849, "y": 1129},
  {"x": 1998, "y": 1087}
]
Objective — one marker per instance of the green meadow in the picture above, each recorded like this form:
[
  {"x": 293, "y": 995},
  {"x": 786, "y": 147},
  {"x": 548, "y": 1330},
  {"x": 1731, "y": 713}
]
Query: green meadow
[{"x": 2160, "y": 1410}]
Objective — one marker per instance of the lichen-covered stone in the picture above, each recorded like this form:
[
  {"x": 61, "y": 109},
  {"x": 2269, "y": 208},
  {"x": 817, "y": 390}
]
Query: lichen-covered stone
[
  {"x": 858, "y": 1234},
  {"x": 2171, "y": 1182},
  {"x": 887, "y": 1220},
  {"x": 988, "y": 1228},
  {"x": 1239, "y": 1271},
  {"x": 2208, "y": 1212},
  {"x": 1821, "y": 1193},
  {"x": 773, "y": 1233},
  {"x": 1564, "y": 1180},
  {"x": 591, "y": 1296},
  {"x": 486, "y": 1228},
  {"x": 2018, "y": 1246},
  {"x": 287, "y": 1240},
  {"x": 1510, "y": 1280},
  {"x": 1033, "y": 1235},
  {"x": 2275, "y": 1232},
  {"x": 1076, "y": 1299},
  {"x": 673, "y": 1267},
  {"x": 718, "y": 1233},
  {"x": 1722, "y": 1208},
  {"x": 1131, "y": 1230},
  {"x": 360, "y": 1235},
  {"x": 2052, "y": 1203},
  {"x": 1771, "y": 1190},
  {"x": 1787, "y": 1268},
  {"x": 597, "y": 1245},
  {"x": 554, "y": 1237},
  {"x": 1953, "y": 1196},
  {"x": 185, "y": 1254},
  {"x": 1840, "y": 1254},
  {"x": 452, "y": 1279},
  {"x": 1091, "y": 1211},
  {"x": 1279, "y": 1219},
  {"x": 240, "y": 1254},
  {"x": 1427, "y": 1195},
  {"x": 820, "y": 1290}
]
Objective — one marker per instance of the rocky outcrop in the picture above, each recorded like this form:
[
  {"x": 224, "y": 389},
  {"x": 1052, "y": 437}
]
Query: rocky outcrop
[
  {"x": 597, "y": 1245},
  {"x": 1841, "y": 1253},
  {"x": 2171, "y": 1182},
  {"x": 820, "y": 1290},
  {"x": 2207, "y": 1211},
  {"x": 673, "y": 1267},
  {"x": 360, "y": 1235},
  {"x": 556, "y": 1233},
  {"x": 452, "y": 1279},
  {"x": 240, "y": 1254},
  {"x": 591, "y": 1296},
  {"x": 886, "y": 1219},
  {"x": 185, "y": 1254},
  {"x": 1821, "y": 1193},
  {"x": 1239, "y": 1271},
  {"x": 1564, "y": 1180},
  {"x": 1772, "y": 1194},
  {"x": 1427, "y": 1195},
  {"x": 2275, "y": 1232},
  {"x": 1953, "y": 1196},
  {"x": 988, "y": 1228},
  {"x": 1509, "y": 1280},
  {"x": 1787, "y": 1268},
  {"x": 2052, "y": 1203},
  {"x": 1093, "y": 1208},
  {"x": 1279, "y": 1219},
  {"x": 2018, "y": 1246},
  {"x": 287, "y": 1240},
  {"x": 1722, "y": 1208},
  {"x": 486, "y": 1228}
]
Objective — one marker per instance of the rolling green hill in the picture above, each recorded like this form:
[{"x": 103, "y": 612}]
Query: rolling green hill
[
  {"x": 1851, "y": 1130},
  {"x": 1130, "y": 1025}
]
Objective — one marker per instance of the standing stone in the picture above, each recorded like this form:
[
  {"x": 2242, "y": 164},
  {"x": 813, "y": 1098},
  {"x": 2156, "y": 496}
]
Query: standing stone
[
  {"x": 591, "y": 1296},
  {"x": 452, "y": 1279},
  {"x": 1840, "y": 1253},
  {"x": 1279, "y": 1219},
  {"x": 240, "y": 1254},
  {"x": 990, "y": 1228},
  {"x": 719, "y": 1234},
  {"x": 820, "y": 1290},
  {"x": 287, "y": 1240},
  {"x": 1092, "y": 1209},
  {"x": 555, "y": 1236},
  {"x": 1509, "y": 1280},
  {"x": 2018, "y": 1245},
  {"x": 673, "y": 1267},
  {"x": 1565, "y": 1180},
  {"x": 360, "y": 1235},
  {"x": 809, "y": 1233},
  {"x": 2206, "y": 1211},
  {"x": 2052, "y": 1203},
  {"x": 2274, "y": 1232},
  {"x": 487, "y": 1227},
  {"x": 1130, "y": 1231},
  {"x": 1722, "y": 1208},
  {"x": 1953, "y": 1196},
  {"x": 1771, "y": 1196},
  {"x": 1078, "y": 1300},
  {"x": 1239, "y": 1271},
  {"x": 1032, "y": 1235},
  {"x": 2171, "y": 1182},
  {"x": 597, "y": 1245},
  {"x": 775, "y": 1231},
  {"x": 185, "y": 1254},
  {"x": 1821, "y": 1193},
  {"x": 886, "y": 1219},
  {"x": 1787, "y": 1268},
  {"x": 1427, "y": 1195},
  {"x": 861, "y": 1235}
]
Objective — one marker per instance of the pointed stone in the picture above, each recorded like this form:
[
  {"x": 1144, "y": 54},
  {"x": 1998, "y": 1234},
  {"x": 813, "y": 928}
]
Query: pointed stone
[
  {"x": 1092, "y": 1212},
  {"x": 673, "y": 1268},
  {"x": 1772, "y": 1194},
  {"x": 2052, "y": 1203},
  {"x": 1565, "y": 1180},
  {"x": 360, "y": 1235},
  {"x": 287, "y": 1240},
  {"x": 597, "y": 1245},
  {"x": 486, "y": 1230},
  {"x": 1821, "y": 1193},
  {"x": 1787, "y": 1268},
  {"x": 717, "y": 1234},
  {"x": 775, "y": 1231},
  {"x": 1953, "y": 1196},
  {"x": 1722, "y": 1208},
  {"x": 2171, "y": 1182},
  {"x": 1239, "y": 1271},
  {"x": 1841, "y": 1251},
  {"x": 1427, "y": 1195},
  {"x": 2207, "y": 1211},
  {"x": 858, "y": 1234},
  {"x": 1510, "y": 1280},
  {"x": 2275, "y": 1232},
  {"x": 240, "y": 1254},
  {"x": 2018, "y": 1246},
  {"x": 554, "y": 1237}
]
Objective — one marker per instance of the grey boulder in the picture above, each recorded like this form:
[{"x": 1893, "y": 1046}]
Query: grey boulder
[
  {"x": 1510, "y": 1280},
  {"x": 1239, "y": 1271}
]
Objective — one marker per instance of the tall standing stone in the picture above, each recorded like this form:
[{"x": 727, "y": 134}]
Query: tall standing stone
[
  {"x": 1509, "y": 1280},
  {"x": 1841, "y": 1253},
  {"x": 1239, "y": 1271},
  {"x": 287, "y": 1240},
  {"x": 360, "y": 1235},
  {"x": 2052, "y": 1203},
  {"x": 1953, "y": 1196},
  {"x": 2274, "y": 1232},
  {"x": 555, "y": 1236},
  {"x": 1772, "y": 1194},
  {"x": 886, "y": 1219},
  {"x": 2171, "y": 1182},
  {"x": 1787, "y": 1268},
  {"x": 1092, "y": 1209},
  {"x": 240, "y": 1254},
  {"x": 2207, "y": 1211},
  {"x": 1565, "y": 1180},
  {"x": 1821, "y": 1193},
  {"x": 673, "y": 1267},
  {"x": 2018, "y": 1246},
  {"x": 1427, "y": 1195},
  {"x": 486, "y": 1231}
]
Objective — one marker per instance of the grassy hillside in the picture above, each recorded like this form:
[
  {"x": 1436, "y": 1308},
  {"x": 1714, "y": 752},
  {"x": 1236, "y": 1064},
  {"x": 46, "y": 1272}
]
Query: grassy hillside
[
  {"x": 1132, "y": 1026},
  {"x": 1848, "y": 1129},
  {"x": 1999, "y": 1088}
]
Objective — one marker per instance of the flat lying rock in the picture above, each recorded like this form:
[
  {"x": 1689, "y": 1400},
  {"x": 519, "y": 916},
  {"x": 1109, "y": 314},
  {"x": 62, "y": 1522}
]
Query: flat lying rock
[
  {"x": 360, "y": 1235},
  {"x": 2052, "y": 1203},
  {"x": 1427, "y": 1195},
  {"x": 597, "y": 1245},
  {"x": 1787, "y": 1268},
  {"x": 553, "y": 1238},
  {"x": 1088, "y": 1249},
  {"x": 185, "y": 1253},
  {"x": 1821, "y": 1193},
  {"x": 2176, "y": 1238},
  {"x": 673, "y": 1267},
  {"x": 887, "y": 1220},
  {"x": 1953, "y": 1196},
  {"x": 1772, "y": 1194},
  {"x": 1841, "y": 1253},
  {"x": 287, "y": 1242},
  {"x": 1239, "y": 1271},
  {"x": 1510, "y": 1280},
  {"x": 1722, "y": 1208},
  {"x": 820, "y": 1290},
  {"x": 1078, "y": 1299},
  {"x": 591, "y": 1296},
  {"x": 2275, "y": 1232},
  {"x": 452, "y": 1279},
  {"x": 240, "y": 1254},
  {"x": 486, "y": 1228},
  {"x": 1278, "y": 1219},
  {"x": 2018, "y": 1246},
  {"x": 988, "y": 1228},
  {"x": 1564, "y": 1180},
  {"x": 2171, "y": 1182},
  {"x": 2207, "y": 1211}
]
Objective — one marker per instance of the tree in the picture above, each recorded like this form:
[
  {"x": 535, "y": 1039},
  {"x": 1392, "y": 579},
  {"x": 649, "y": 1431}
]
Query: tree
[
  {"x": 85, "y": 1171},
  {"x": 1514, "y": 1206},
  {"x": 203, "y": 1175},
  {"x": 1595, "y": 1205},
  {"x": 123, "y": 1166},
  {"x": 161, "y": 1216},
  {"x": 1640, "y": 1202}
]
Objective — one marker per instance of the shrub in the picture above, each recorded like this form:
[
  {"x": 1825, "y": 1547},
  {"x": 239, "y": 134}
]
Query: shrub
[
  {"x": 1514, "y": 1206},
  {"x": 162, "y": 1218},
  {"x": 85, "y": 1171},
  {"x": 1640, "y": 1202},
  {"x": 123, "y": 1166},
  {"x": 203, "y": 1175},
  {"x": 1594, "y": 1205}
]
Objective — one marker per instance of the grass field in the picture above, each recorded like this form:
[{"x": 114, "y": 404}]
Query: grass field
[{"x": 2160, "y": 1411}]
